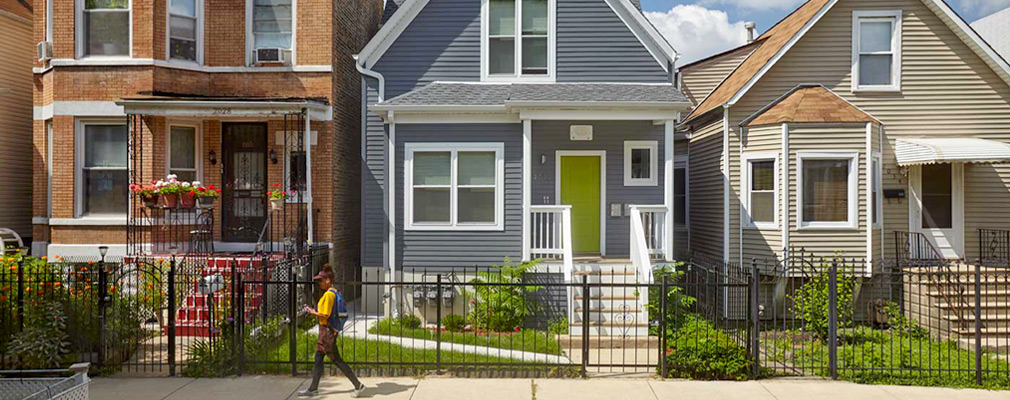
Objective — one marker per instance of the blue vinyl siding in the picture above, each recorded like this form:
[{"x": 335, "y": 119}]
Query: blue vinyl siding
[{"x": 594, "y": 45}]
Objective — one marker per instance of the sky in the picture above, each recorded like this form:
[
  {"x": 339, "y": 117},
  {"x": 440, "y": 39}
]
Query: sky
[{"x": 700, "y": 28}]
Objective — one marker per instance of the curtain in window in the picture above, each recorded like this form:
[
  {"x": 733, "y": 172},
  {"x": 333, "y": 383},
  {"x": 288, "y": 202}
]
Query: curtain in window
[
  {"x": 182, "y": 29},
  {"x": 825, "y": 190},
  {"x": 272, "y": 24},
  {"x": 106, "y": 27}
]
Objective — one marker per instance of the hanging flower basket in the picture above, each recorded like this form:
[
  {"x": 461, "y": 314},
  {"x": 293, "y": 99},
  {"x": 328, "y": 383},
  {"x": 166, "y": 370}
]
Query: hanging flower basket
[
  {"x": 277, "y": 197},
  {"x": 276, "y": 204},
  {"x": 170, "y": 200},
  {"x": 150, "y": 201},
  {"x": 187, "y": 200}
]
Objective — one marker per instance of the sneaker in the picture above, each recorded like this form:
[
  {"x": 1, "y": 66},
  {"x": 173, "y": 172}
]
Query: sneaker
[
  {"x": 308, "y": 393},
  {"x": 358, "y": 390}
]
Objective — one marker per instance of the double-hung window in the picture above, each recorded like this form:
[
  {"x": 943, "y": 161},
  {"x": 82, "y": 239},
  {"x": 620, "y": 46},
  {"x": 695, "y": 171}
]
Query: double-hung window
[
  {"x": 454, "y": 186},
  {"x": 103, "y": 175},
  {"x": 518, "y": 39},
  {"x": 184, "y": 152},
  {"x": 105, "y": 30},
  {"x": 761, "y": 190},
  {"x": 183, "y": 29},
  {"x": 641, "y": 164},
  {"x": 273, "y": 24},
  {"x": 828, "y": 190},
  {"x": 876, "y": 51}
]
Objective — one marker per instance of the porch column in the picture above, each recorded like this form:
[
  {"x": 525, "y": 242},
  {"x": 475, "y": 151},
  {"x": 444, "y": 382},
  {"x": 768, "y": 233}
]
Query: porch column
[
  {"x": 391, "y": 210},
  {"x": 307, "y": 138},
  {"x": 668, "y": 183},
  {"x": 527, "y": 173}
]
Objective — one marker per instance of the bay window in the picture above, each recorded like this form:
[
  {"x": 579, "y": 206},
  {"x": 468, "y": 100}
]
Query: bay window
[
  {"x": 518, "y": 39},
  {"x": 105, "y": 30},
  {"x": 183, "y": 29},
  {"x": 457, "y": 186},
  {"x": 761, "y": 190},
  {"x": 828, "y": 190},
  {"x": 103, "y": 180},
  {"x": 876, "y": 50}
]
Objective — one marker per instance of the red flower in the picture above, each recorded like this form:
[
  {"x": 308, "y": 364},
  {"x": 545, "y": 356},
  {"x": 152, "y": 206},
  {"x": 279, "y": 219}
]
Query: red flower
[
  {"x": 270, "y": 193},
  {"x": 517, "y": 329},
  {"x": 277, "y": 184},
  {"x": 211, "y": 187},
  {"x": 217, "y": 190}
]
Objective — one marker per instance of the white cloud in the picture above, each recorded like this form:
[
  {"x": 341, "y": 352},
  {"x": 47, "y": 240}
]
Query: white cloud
[
  {"x": 787, "y": 5},
  {"x": 697, "y": 32},
  {"x": 980, "y": 8}
]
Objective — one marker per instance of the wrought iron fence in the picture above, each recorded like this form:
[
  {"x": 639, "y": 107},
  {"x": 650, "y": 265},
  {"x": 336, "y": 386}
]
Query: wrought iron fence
[{"x": 994, "y": 246}]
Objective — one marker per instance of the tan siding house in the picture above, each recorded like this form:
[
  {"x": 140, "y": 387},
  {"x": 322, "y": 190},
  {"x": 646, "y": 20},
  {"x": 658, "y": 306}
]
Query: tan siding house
[
  {"x": 16, "y": 158},
  {"x": 928, "y": 82},
  {"x": 699, "y": 78}
]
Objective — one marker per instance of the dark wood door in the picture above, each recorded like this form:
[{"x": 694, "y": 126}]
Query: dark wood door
[{"x": 245, "y": 176}]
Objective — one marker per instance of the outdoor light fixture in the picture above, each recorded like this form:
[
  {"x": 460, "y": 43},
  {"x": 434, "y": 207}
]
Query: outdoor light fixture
[
  {"x": 213, "y": 157},
  {"x": 273, "y": 156},
  {"x": 103, "y": 250},
  {"x": 543, "y": 159}
]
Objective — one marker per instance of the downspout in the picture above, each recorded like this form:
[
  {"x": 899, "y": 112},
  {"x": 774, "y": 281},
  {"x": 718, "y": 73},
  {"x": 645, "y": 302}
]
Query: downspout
[{"x": 307, "y": 138}]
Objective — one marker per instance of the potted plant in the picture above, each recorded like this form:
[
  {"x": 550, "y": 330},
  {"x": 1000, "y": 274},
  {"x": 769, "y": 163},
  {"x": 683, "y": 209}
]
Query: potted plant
[
  {"x": 170, "y": 189},
  {"x": 147, "y": 193},
  {"x": 206, "y": 195},
  {"x": 187, "y": 199},
  {"x": 277, "y": 197}
]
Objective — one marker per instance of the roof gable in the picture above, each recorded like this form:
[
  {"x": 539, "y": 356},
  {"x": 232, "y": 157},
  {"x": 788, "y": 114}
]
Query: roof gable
[{"x": 809, "y": 104}]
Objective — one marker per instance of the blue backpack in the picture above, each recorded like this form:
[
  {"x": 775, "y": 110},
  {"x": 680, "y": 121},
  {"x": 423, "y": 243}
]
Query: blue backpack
[{"x": 338, "y": 315}]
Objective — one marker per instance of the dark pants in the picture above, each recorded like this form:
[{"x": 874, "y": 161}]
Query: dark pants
[{"x": 327, "y": 346}]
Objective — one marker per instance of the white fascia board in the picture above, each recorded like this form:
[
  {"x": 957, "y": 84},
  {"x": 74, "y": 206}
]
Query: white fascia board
[
  {"x": 582, "y": 105},
  {"x": 646, "y": 33},
  {"x": 436, "y": 108},
  {"x": 602, "y": 114},
  {"x": 971, "y": 38},
  {"x": 78, "y": 108},
  {"x": 457, "y": 118},
  {"x": 174, "y": 64},
  {"x": 390, "y": 31},
  {"x": 782, "y": 52}
]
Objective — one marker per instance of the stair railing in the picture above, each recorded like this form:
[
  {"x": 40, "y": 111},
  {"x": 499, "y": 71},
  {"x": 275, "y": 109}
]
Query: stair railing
[
  {"x": 648, "y": 238},
  {"x": 914, "y": 249},
  {"x": 551, "y": 235},
  {"x": 994, "y": 246}
]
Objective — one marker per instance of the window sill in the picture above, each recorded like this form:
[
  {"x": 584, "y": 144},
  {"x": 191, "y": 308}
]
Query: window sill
[
  {"x": 873, "y": 90},
  {"x": 519, "y": 79},
  {"x": 640, "y": 183},
  {"x": 761, "y": 226},
  {"x": 89, "y": 221},
  {"x": 457, "y": 228},
  {"x": 827, "y": 226}
]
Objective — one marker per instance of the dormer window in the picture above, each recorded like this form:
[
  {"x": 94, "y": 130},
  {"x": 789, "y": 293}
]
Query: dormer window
[
  {"x": 518, "y": 40},
  {"x": 876, "y": 51}
]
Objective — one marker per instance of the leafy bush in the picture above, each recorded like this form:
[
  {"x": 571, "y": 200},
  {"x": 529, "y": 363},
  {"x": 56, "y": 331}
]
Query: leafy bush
[
  {"x": 502, "y": 308},
  {"x": 700, "y": 351},
  {"x": 43, "y": 341},
  {"x": 811, "y": 301},
  {"x": 454, "y": 323},
  {"x": 558, "y": 326},
  {"x": 901, "y": 324},
  {"x": 409, "y": 321},
  {"x": 677, "y": 303}
]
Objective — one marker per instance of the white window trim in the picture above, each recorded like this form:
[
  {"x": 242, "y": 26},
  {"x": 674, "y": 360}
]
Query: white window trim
[
  {"x": 250, "y": 41},
  {"x": 852, "y": 221},
  {"x": 79, "y": 125},
  {"x": 517, "y": 76},
  {"x": 895, "y": 19},
  {"x": 198, "y": 137},
  {"x": 279, "y": 142},
  {"x": 408, "y": 199},
  {"x": 878, "y": 211},
  {"x": 653, "y": 147},
  {"x": 749, "y": 158},
  {"x": 80, "y": 34},
  {"x": 199, "y": 35}
]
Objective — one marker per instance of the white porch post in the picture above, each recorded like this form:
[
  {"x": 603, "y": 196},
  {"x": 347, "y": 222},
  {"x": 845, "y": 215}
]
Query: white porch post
[
  {"x": 391, "y": 210},
  {"x": 668, "y": 183},
  {"x": 307, "y": 138},
  {"x": 527, "y": 173},
  {"x": 870, "y": 211}
]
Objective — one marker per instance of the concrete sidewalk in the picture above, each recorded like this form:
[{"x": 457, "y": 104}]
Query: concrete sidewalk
[{"x": 273, "y": 387}]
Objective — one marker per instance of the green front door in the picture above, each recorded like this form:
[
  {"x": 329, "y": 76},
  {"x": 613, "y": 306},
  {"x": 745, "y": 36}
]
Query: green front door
[{"x": 580, "y": 188}]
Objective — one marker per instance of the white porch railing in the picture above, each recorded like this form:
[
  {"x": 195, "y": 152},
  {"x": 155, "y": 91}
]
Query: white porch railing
[
  {"x": 551, "y": 234},
  {"x": 648, "y": 237}
]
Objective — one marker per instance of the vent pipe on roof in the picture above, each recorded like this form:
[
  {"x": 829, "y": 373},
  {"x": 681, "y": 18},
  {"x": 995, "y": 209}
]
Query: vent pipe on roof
[{"x": 751, "y": 30}]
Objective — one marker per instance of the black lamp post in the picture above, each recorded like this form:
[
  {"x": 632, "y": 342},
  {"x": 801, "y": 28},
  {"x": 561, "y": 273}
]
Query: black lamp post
[{"x": 102, "y": 300}]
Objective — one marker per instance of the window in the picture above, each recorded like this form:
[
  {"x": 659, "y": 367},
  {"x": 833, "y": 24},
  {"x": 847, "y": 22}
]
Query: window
[
  {"x": 680, "y": 197},
  {"x": 106, "y": 28},
  {"x": 103, "y": 180},
  {"x": 828, "y": 190},
  {"x": 272, "y": 24},
  {"x": 454, "y": 186},
  {"x": 937, "y": 196},
  {"x": 641, "y": 163},
  {"x": 296, "y": 172},
  {"x": 183, "y": 152},
  {"x": 876, "y": 50},
  {"x": 761, "y": 196},
  {"x": 184, "y": 30},
  {"x": 876, "y": 184},
  {"x": 518, "y": 39}
]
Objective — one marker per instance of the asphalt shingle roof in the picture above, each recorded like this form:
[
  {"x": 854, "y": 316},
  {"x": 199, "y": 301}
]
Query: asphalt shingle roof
[{"x": 484, "y": 94}]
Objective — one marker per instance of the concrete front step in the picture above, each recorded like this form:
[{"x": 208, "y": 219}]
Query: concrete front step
[
  {"x": 574, "y": 342},
  {"x": 637, "y": 330},
  {"x": 630, "y": 317}
]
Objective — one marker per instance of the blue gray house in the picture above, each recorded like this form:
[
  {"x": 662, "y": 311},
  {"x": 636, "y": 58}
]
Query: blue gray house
[{"x": 534, "y": 129}]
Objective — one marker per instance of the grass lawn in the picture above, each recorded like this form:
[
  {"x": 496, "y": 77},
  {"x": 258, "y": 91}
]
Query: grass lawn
[
  {"x": 525, "y": 340},
  {"x": 867, "y": 355}
]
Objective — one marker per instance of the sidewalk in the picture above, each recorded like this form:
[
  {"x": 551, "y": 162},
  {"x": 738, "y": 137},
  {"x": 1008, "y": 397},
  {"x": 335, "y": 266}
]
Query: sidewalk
[{"x": 433, "y": 388}]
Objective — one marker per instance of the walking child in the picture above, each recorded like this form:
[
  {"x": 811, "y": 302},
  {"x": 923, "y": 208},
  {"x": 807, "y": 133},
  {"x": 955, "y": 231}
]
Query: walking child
[{"x": 331, "y": 322}]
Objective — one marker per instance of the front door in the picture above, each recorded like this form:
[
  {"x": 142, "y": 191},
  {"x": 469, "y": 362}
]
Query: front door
[
  {"x": 580, "y": 188},
  {"x": 245, "y": 175},
  {"x": 938, "y": 206}
]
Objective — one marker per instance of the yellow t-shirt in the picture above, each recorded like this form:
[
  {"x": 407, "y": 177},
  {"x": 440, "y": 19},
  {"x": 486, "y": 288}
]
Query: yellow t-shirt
[{"x": 325, "y": 306}]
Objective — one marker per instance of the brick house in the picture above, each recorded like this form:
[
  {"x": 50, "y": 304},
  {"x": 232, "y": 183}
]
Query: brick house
[{"x": 239, "y": 94}]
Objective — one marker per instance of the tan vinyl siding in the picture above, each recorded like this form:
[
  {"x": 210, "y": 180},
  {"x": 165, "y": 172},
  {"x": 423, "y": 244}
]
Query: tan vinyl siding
[
  {"x": 763, "y": 243},
  {"x": 16, "y": 124},
  {"x": 698, "y": 80},
  {"x": 706, "y": 191},
  {"x": 947, "y": 91}
]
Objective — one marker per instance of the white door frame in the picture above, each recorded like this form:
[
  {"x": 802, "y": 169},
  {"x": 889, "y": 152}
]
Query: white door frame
[
  {"x": 952, "y": 243},
  {"x": 603, "y": 186}
]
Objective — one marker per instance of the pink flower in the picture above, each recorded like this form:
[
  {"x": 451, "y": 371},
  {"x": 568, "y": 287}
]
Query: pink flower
[{"x": 517, "y": 329}]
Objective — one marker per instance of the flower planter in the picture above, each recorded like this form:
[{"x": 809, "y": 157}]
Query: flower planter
[
  {"x": 170, "y": 200},
  {"x": 150, "y": 201},
  {"x": 205, "y": 202},
  {"x": 276, "y": 204},
  {"x": 187, "y": 200}
]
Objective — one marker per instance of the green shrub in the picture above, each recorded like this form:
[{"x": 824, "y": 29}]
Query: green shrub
[
  {"x": 700, "y": 351},
  {"x": 502, "y": 308},
  {"x": 901, "y": 324},
  {"x": 409, "y": 321},
  {"x": 454, "y": 323},
  {"x": 677, "y": 303},
  {"x": 558, "y": 326},
  {"x": 811, "y": 301},
  {"x": 43, "y": 341}
]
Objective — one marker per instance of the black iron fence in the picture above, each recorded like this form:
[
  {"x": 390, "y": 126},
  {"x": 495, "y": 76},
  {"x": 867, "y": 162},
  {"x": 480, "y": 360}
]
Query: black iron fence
[{"x": 994, "y": 246}]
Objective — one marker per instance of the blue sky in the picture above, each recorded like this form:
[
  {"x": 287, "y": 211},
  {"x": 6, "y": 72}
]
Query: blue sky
[{"x": 698, "y": 28}]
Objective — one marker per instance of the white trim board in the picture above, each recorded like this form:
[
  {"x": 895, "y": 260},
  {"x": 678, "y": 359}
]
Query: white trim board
[
  {"x": 78, "y": 108},
  {"x": 603, "y": 186},
  {"x": 176, "y": 64}
]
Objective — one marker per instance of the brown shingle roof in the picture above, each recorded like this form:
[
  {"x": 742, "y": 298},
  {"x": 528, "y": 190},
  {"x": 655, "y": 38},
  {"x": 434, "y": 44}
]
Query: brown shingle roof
[
  {"x": 810, "y": 104},
  {"x": 772, "y": 41}
]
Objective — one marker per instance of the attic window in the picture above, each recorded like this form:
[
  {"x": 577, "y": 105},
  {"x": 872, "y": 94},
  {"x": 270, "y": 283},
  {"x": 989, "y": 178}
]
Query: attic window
[
  {"x": 876, "y": 51},
  {"x": 518, "y": 39}
]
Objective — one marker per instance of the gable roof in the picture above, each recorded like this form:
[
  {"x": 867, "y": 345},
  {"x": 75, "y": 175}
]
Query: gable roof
[
  {"x": 995, "y": 29},
  {"x": 809, "y": 104},
  {"x": 787, "y": 32},
  {"x": 404, "y": 11}
]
